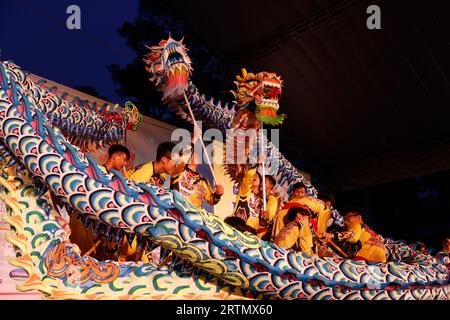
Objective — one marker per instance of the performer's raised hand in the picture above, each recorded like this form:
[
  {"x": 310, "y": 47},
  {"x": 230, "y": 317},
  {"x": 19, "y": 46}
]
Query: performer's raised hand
[
  {"x": 218, "y": 189},
  {"x": 326, "y": 237},
  {"x": 345, "y": 235}
]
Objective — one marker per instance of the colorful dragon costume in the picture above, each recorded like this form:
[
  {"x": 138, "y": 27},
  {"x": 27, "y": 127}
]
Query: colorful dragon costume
[
  {"x": 208, "y": 258},
  {"x": 257, "y": 99}
]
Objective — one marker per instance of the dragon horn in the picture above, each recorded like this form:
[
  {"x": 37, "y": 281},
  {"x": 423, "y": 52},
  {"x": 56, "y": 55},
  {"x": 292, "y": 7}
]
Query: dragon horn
[{"x": 244, "y": 73}]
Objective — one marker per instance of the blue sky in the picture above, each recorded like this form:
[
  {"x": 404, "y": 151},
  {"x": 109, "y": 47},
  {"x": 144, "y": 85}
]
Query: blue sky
[{"x": 34, "y": 35}]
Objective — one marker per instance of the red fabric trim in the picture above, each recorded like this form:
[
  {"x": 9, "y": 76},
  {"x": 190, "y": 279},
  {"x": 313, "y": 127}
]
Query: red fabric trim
[
  {"x": 294, "y": 204},
  {"x": 358, "y": 258},
  {"x": 314, "y": 224}
]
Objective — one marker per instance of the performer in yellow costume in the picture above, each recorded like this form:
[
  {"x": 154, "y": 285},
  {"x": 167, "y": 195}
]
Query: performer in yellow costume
[
  {"x": 191, "y": 184},
  {"x": 249, "y": 204},
  {"x": 298, "y": 192},
  {"x": 316, "y": 206},
  {"x": 264, "y": 222},
  {"x": 195, "y": 187},
  {"x": 248, "y": 200},
  {"x": 118, "y": 156},
  {"x": 153, "y": 173},
  {"x": 99, "y": 247},
  {"x": 297, "y": 233},
  {"x": 372, "y": 247}
]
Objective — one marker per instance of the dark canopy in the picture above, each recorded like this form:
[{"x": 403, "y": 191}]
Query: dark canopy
[{"x": 365, "y": 106}]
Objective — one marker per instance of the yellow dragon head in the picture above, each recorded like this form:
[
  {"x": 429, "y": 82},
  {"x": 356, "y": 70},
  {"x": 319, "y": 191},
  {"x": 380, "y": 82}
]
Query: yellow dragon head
[{"x": 264, "y": 89}]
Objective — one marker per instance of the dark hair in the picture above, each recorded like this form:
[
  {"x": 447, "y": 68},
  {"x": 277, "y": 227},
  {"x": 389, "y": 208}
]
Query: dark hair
[
  {"x": 272, "y": 180},
  {"x": 239, "y": 224},
  {"x": 419, "y": 246},
  {"x": 164, "y": 150},
  {"x": 357, "y": 211},
  {"x": 326, "y": 197},
  {"x": 298, "y": 185},
  {"x": 292, "y": 213},
  {"x": 118, "y": 148}
]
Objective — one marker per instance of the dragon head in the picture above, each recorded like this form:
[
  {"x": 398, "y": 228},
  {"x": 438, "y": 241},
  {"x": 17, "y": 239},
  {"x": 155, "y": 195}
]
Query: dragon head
[
  {"x": 132, "y": 116},
  {"x": 169, "y": 67},
  {"x": 264, "y": 89}
]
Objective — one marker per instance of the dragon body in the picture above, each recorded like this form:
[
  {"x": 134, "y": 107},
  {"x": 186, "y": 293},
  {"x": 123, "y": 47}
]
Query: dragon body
[{"x": 207, "y": 258}]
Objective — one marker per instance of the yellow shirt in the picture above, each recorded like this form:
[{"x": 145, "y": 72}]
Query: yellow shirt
[
  {"x": 248, "y": 203},
  {"x": 295, "y": 236},
  {"x": 314, "y": 204},
  {"x": 146, "y": 173},
  {"x": 372, "y": 247},
  {"x": 256, "y": 222},
  {"x": 194, "y": 187}
]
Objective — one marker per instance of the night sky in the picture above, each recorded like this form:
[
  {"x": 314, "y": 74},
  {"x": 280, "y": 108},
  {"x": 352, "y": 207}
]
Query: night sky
[{"x": 34, "y": 35}]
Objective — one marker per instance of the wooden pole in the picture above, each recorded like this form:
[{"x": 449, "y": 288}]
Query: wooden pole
[
  {"x": 263, "y": 167},
  {"x": 92, "y": 248},
  {"x": 338, "y": 249},
  {"x": 201, "y": 140}
]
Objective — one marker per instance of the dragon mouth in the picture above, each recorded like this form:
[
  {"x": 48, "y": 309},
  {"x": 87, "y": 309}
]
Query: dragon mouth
[
  {"x": 271, "y": 90},
  {"x": 175, "y": 62},
  {"x": 268, "y": 104},
  {"x": 268, "y": 94},
  {"x": 169, "y": 67},
  {"x": 179, "y": 68}
]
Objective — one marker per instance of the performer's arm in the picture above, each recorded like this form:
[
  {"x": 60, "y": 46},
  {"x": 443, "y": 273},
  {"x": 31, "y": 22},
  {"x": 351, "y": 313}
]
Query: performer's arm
[
  {"x": 355, "y": 232},
  {"x": 271, "y": 211},
  {"x": 246, "y": 183},
  {"x": 288, "y": 236},
  {"x": 272, "y": 207},
  {"x": 212, "y": 196},
  {"x": 305, "y": 239}
]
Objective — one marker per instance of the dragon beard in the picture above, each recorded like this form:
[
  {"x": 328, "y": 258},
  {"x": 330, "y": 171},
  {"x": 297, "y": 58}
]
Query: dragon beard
[
  {"x": 176, "y": 85},
  {"x": 269, "y": 116}
]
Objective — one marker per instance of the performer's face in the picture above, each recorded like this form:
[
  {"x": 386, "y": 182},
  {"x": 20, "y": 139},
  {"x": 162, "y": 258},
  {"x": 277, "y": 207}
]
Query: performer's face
[
  {"x": 256, "y": 181},
  {"x": 119, "y": 160},
  {"x": 269, "y": 184},
  {"x": 168, "y": 165},
  {"x": 351, "y": 218},
  {"x": 299, "y": 193},
  {"x": 303, "y": 219}
]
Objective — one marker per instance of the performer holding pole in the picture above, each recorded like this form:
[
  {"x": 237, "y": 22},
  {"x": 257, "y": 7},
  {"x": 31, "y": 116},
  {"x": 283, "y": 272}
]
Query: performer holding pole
[{"x": 201, "y": 140}]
